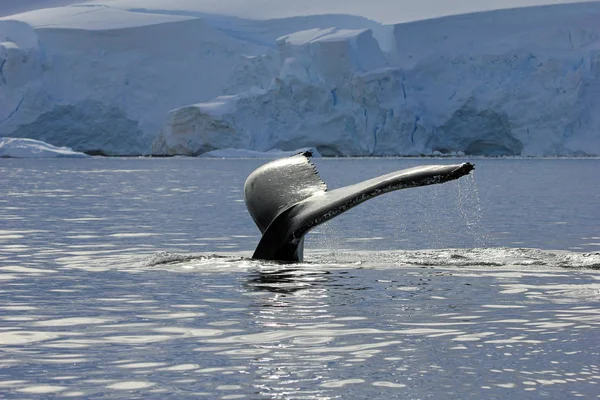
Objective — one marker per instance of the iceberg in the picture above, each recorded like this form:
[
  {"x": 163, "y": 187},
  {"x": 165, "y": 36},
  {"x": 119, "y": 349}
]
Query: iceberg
[
  {"x": 29, "y": 148},
  {"x": 128, "y": 77}
]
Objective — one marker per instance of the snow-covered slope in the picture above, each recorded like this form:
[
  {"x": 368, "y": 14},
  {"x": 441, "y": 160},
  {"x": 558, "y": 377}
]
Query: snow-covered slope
[
  {"x": 29, "y": 148},
  {"x": 102, "y": 76}
]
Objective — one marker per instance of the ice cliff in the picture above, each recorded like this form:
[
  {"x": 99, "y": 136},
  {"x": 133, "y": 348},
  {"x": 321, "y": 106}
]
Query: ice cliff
[
  {"x": 514, "y": 82},
  {"x": 508, "y": 82},
  {"x": 107, "y": 89}
]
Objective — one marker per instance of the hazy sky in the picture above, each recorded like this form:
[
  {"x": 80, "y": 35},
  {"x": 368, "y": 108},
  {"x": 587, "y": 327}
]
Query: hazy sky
[{"x": 386, "y": 11}]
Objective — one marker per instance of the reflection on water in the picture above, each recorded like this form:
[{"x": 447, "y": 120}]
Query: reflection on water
[
  {"x": 290, "y": 307},
  {"x": 377, "y": 329},
  {"x": 110, "y": 288}
]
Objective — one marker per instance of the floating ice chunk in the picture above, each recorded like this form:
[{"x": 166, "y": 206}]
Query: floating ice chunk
[{"x": 29, "y": 148}]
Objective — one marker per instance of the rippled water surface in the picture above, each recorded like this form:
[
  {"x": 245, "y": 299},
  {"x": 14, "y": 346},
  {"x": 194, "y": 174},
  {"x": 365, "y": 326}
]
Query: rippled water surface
[{"x": 131, "y": 279}]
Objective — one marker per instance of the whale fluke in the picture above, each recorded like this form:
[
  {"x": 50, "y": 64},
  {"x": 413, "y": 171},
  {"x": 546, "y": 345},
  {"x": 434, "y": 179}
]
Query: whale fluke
[{"x": 287, "y": 198}]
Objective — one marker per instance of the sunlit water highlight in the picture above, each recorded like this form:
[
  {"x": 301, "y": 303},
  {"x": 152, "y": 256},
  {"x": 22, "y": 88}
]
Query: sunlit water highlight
[{"x": 131, "y": 279}]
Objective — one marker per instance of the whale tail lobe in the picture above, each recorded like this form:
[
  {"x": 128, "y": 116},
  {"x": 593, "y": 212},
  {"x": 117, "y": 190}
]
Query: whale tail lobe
[{"x": 287, "y": 198}]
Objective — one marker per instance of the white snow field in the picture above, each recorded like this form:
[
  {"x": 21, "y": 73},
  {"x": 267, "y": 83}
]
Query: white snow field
[
  {"x": 121, "y": 77},
  {"x": 29, "y": 148}
]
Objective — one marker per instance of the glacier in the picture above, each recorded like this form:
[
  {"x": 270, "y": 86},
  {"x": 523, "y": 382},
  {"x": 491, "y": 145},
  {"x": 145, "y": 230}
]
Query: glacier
[{"x": 127, "y": 77}]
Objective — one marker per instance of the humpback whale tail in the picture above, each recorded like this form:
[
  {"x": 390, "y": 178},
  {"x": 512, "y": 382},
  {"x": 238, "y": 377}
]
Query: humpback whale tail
[{"x": 287, "y": 198}]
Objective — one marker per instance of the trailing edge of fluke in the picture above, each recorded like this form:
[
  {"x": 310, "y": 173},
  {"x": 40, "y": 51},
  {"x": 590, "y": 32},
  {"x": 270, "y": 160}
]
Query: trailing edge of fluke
[{"x": 287, "y": 198}]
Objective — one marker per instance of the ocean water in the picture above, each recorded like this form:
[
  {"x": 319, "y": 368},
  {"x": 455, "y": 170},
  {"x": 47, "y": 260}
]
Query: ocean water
[{"x": 130, "y": 278}]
